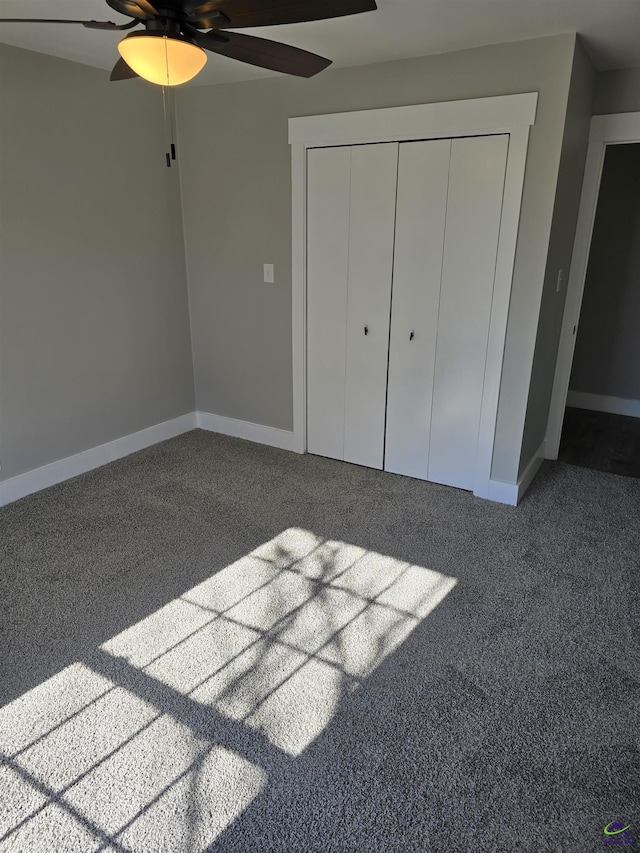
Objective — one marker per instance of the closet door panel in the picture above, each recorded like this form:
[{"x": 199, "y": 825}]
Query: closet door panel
[
  {"x": 371, "y": 236},
  {"x": 474, "y": 206},
  {"x": 423, "y": 173},
  {"x": 328, "y": 178}
]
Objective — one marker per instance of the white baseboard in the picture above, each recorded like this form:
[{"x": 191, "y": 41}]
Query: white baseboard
[
  {"x": 526, "y": 478},
  {"x": 282, "y": 438},
  {"x": 603, "y": 403},
  {"x": 512, "y": 493},
  {"x": 56, "y": 472},
  {"x": 502, "y": 493}
]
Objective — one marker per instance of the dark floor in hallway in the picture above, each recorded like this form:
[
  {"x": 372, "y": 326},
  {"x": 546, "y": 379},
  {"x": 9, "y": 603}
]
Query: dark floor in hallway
[{"x": 601, "y": 441}]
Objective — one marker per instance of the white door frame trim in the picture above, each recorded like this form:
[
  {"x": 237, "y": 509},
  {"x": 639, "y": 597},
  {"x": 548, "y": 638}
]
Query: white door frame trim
[
  {"x": 512, "y": 114},
  {"x": 605, "y": 130}
]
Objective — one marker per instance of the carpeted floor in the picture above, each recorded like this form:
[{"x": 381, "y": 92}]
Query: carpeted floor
[{"x": 214, "y": 645}]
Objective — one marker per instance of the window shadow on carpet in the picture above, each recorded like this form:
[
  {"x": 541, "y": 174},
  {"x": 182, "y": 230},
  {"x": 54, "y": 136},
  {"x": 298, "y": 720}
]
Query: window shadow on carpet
[{"x": 162, "y": 737}]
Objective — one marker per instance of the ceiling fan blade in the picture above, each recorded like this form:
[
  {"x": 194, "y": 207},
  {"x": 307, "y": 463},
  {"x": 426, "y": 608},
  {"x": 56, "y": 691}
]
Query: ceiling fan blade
[
  {"x": 108, "y": 25},
  {"x": 141, "y": 9},
  {"x": 264, "y": 13},
  {"x": 121, "y": 71},
  {"x": 211, "y": 21},
  {"x": 101, "y": 25},
  {"x": 261, "y": 52},
  {"x": 147, "y": 6}
]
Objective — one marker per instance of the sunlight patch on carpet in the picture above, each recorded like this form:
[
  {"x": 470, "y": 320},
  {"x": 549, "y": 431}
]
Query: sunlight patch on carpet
[{"x": 164, "y": 735}]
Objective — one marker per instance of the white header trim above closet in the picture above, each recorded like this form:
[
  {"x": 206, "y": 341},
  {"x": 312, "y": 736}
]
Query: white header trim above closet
[
  {"x": 393, "y": 124},
  {"x": 512, "y": 114}
]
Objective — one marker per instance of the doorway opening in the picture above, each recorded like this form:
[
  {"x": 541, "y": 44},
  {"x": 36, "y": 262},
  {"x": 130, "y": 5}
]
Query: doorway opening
[{"x": 601, "y": 427}]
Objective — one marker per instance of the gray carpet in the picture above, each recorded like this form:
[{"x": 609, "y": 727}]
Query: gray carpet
[{"x": 214, "y": 645}]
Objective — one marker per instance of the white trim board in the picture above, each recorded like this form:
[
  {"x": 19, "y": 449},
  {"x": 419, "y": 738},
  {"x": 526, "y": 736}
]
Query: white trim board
[
  {"x": 64, "y": 469},
  {"x": 603, "y": 403},
  {"x": 526, "y": 478},
  {"x": 475, "y": 116},
  {"x": 80, "y": 463},
  {"x": 282, "y": 438},
  {"x": 605, "y": 130},
  {"x": 512, "y": 114},
  {"x": 507, "y": 493},
  {"x": 512, "y": 493}
]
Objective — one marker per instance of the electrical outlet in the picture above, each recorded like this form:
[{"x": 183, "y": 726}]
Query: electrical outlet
[
  {"x": 268, "y": 273},
  {"x": 560, "y": 280}
]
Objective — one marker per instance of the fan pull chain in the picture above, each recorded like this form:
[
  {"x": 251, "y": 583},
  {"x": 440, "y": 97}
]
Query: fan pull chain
[
  {"x": 165, "y": 98},
  {"x": 169, "y": 110},
  {"x": 172, "y": 118}
]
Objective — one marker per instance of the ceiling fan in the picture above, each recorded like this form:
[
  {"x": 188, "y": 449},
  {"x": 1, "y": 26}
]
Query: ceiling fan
[{"x": 169, "y": 49}]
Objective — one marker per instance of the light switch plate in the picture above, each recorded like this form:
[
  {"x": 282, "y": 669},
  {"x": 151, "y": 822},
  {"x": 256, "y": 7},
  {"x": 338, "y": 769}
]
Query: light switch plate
[{"x": 268, "y": 273}]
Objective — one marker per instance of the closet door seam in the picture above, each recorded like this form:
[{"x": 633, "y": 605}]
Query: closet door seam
[
  {"x": 433, "y": 372},
  {"x": 393, "y": 267},
  {"x": 493, "y": 289},
  {"x": 346, "y": 316}
]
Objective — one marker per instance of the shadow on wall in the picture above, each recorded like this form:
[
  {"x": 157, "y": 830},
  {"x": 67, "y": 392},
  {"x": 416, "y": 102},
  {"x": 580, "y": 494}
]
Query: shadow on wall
[{"x": 161, "y": 738}]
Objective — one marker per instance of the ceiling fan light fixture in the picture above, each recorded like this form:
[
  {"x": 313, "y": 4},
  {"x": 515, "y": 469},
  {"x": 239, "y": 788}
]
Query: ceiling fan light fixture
[{"x": 167, "y": 60}]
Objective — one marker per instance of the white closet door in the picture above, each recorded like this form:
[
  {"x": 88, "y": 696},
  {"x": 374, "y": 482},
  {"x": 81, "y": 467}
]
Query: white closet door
[
  {"x": 371, "y": 237},
  {"x": 328, "y": 171},
  {"x": 474, "y": 206},
  {"x": 423, "y": 173}
]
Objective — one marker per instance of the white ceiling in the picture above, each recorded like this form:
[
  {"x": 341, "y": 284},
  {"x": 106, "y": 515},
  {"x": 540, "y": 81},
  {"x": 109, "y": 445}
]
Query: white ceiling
[{"x": 397, "y": 30}]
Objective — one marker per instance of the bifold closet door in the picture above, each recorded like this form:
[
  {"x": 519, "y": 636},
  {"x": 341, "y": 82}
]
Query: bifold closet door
[
  {"x": 420, "y": 321},
  {"x": 328, "y": 192},
  {"x": 371, "y": 238},
  {"x": 350, "y": 233},
  {"x": 423, "y": 175},
  {"x": 474, "y": 207}
]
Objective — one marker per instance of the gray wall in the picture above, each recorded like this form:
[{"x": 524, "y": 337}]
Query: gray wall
[
  {"x": 236, "y": 185},
  {"x": 565, "y": 215},
  {"x": 94, "y": 328},
  {"x": 607, "y": 354},
  {"x": 617, "y": 92}
]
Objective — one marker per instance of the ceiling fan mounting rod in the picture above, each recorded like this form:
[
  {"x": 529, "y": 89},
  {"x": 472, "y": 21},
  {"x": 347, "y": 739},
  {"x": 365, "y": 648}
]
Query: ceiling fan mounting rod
[
  {"x": 217, "y": 18},
  {"x": 163, "y": 25},
  {"x": 169, "y": 14}
]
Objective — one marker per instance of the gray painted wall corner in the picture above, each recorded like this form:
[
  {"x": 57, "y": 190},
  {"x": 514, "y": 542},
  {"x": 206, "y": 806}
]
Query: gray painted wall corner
[
  {"x": 94, "y": 333},
  {"x": 567, "y": 199},
  {"x": 536, "y": 221}
]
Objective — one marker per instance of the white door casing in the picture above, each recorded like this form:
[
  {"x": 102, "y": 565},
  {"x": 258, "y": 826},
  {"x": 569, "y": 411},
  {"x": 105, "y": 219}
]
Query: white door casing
[{"x": 605, "y": 130}]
